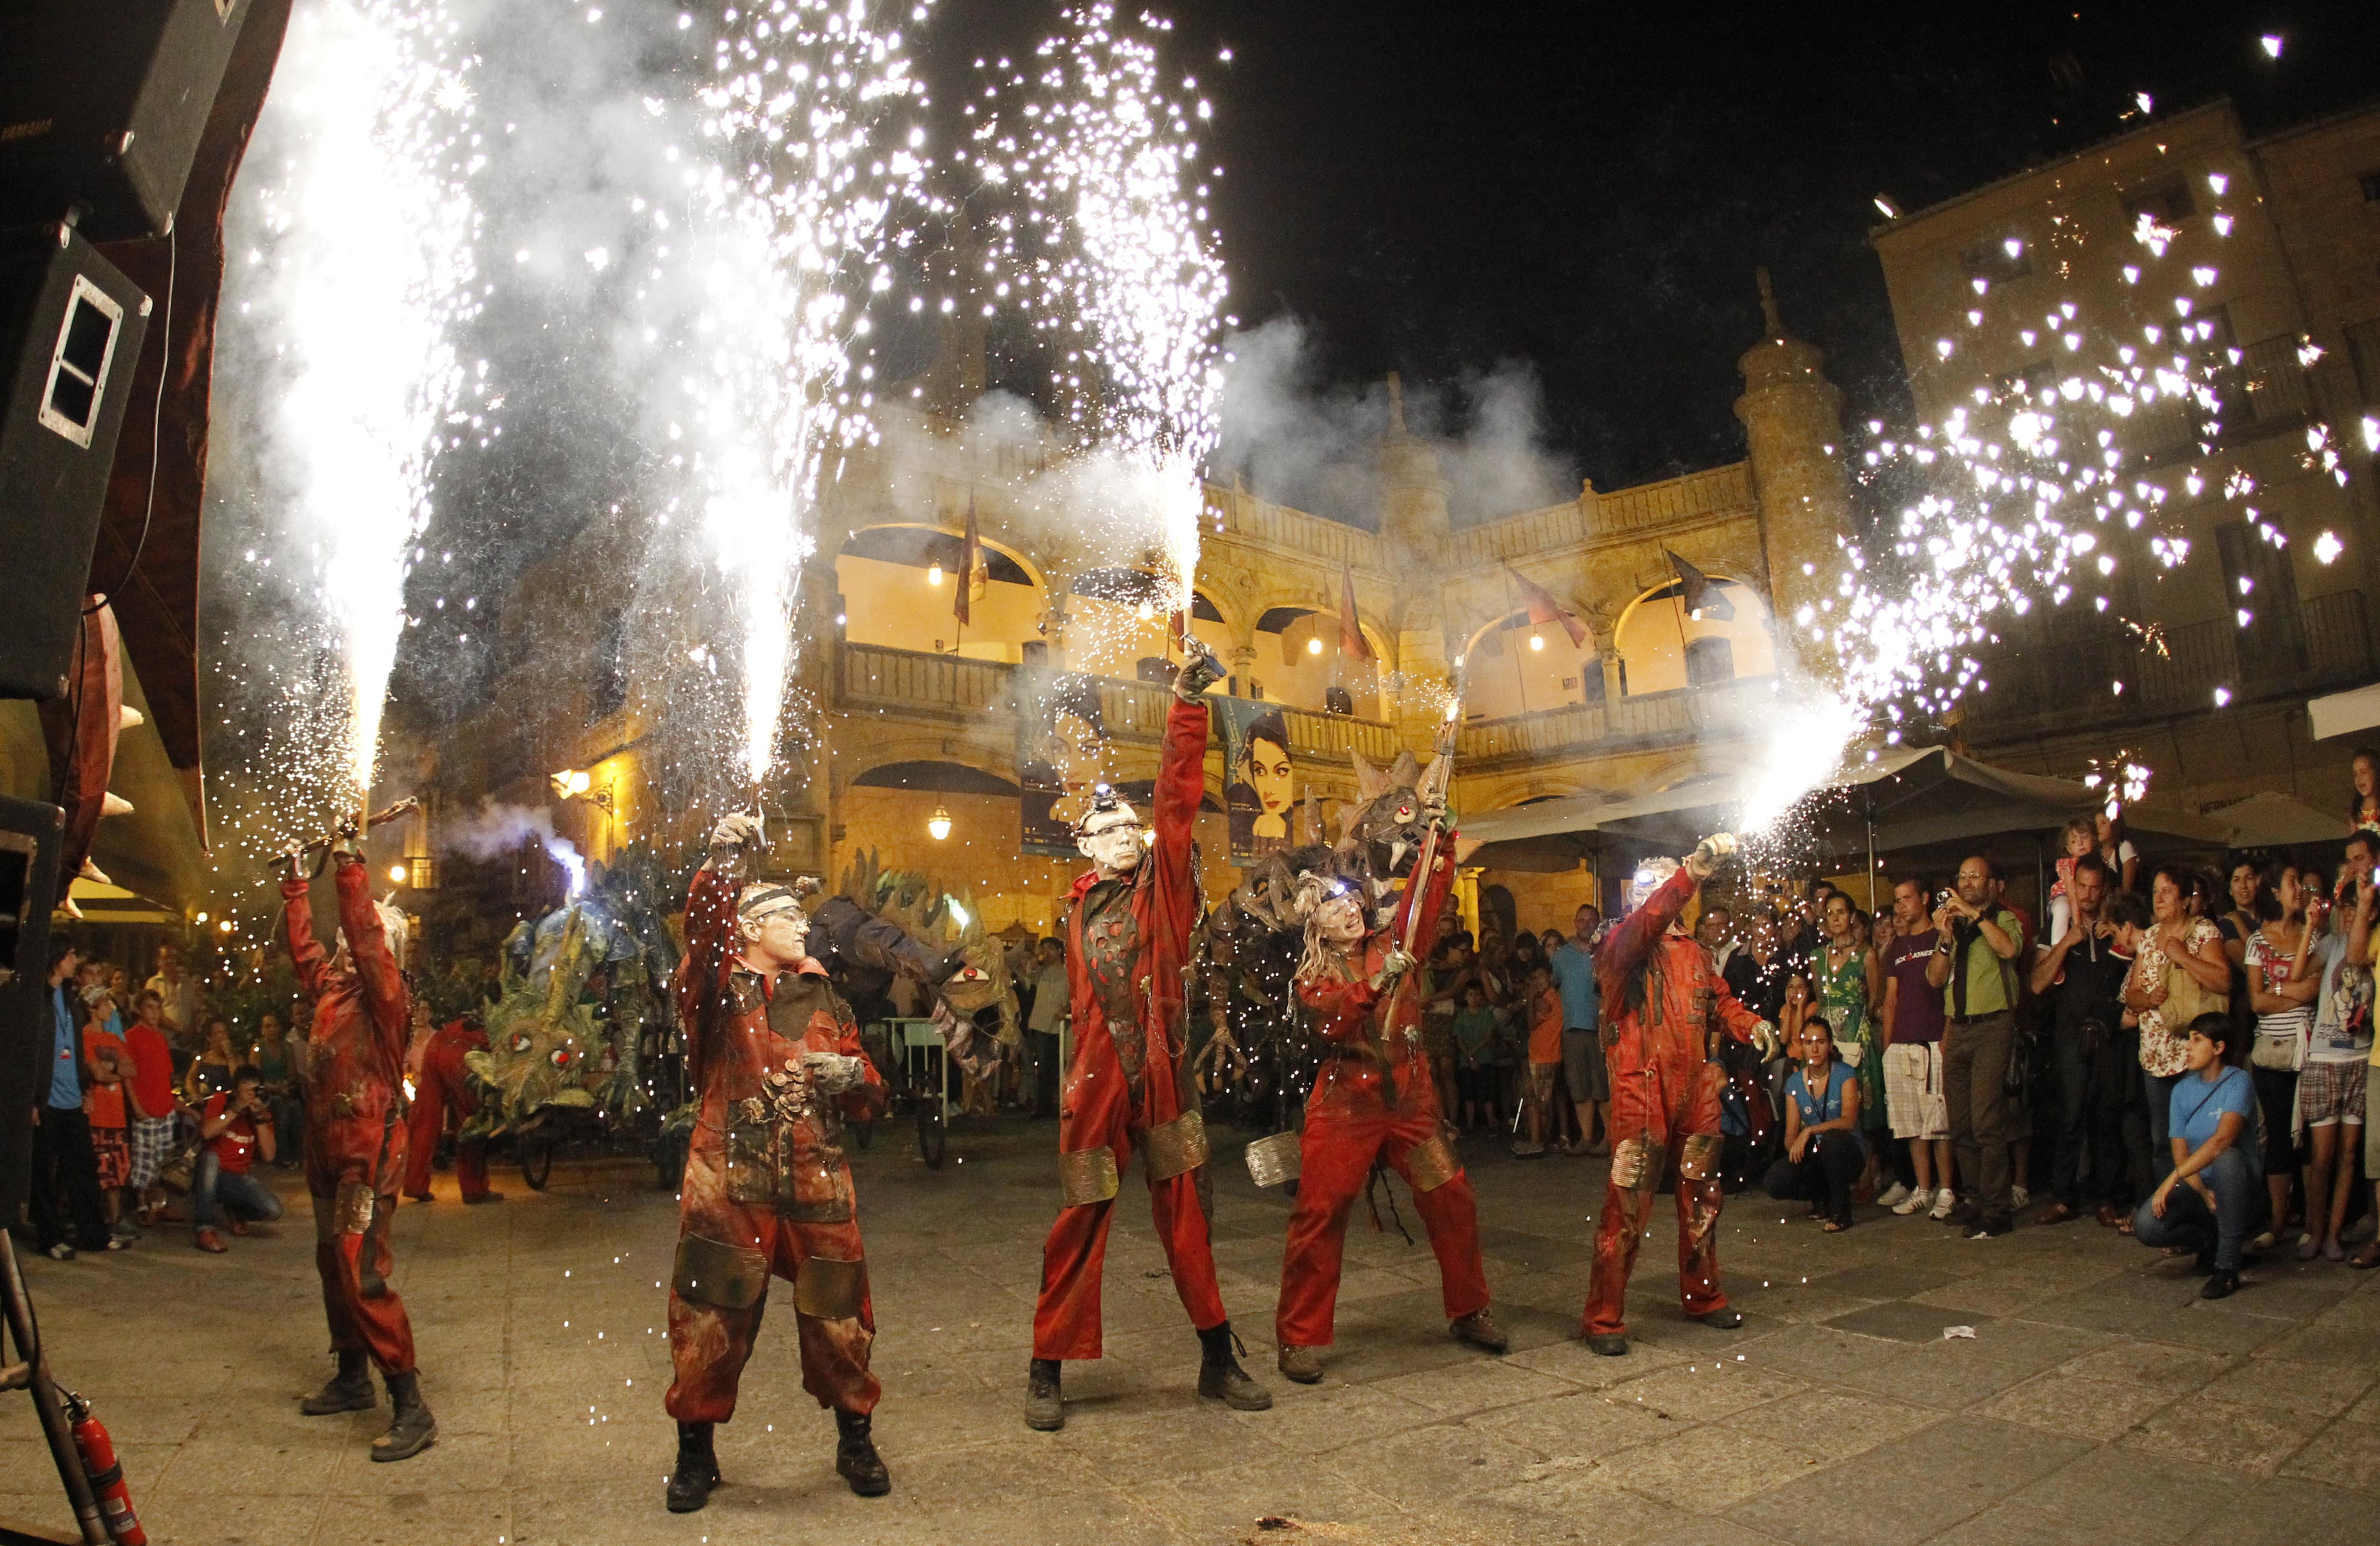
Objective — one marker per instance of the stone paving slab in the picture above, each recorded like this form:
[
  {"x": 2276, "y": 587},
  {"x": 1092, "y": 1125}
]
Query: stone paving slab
[{"x": 2098, "y": 1400}]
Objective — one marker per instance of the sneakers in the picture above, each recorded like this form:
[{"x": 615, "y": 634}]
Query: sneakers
[
  {"x": 1917, "y": 1202},
  {"x": 2019, "y": 1198},
  {"x": 1947, "y": 1209},
  {"x": 212, "y": 1242},
  {"x": 62, "y": 1252},
  {"x": 1893, "y": 1196}
]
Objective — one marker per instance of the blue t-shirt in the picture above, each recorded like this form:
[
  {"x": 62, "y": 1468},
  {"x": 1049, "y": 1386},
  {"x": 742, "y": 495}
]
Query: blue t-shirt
[
  {"x": 65, "y": 1079},
  {"x": 1841, "y": 1076},
  {"x": 1573, "y": 971},
  {"x": 2198, "y": 1106}
]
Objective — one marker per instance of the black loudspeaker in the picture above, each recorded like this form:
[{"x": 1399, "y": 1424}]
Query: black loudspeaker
[
  {"x": 70, "y": 332},
  {"x": 101, "y": 103},
  {"x": 29, "y": 883}
]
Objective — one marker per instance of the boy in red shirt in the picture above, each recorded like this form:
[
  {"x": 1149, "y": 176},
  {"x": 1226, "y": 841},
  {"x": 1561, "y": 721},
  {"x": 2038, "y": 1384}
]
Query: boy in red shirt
[
  {"x": 110, "y": 1107},
  {"x": 1544, "y": 1059},
  {"x": 235, "y": 1131},
  {"x": 153, "y": 1086}
]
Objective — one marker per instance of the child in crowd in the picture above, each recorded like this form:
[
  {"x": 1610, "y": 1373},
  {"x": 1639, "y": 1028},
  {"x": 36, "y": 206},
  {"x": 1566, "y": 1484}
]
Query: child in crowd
[
  {"x": 1544, "y": 1062},
  {"x": 111, "y": 1105},
  {"x": 1478, "y": 1037}
]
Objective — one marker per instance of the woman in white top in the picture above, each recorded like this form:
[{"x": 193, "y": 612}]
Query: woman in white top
[
  {"x": 2116, "y": 849},
  {"x": 2331, "y": 1086},
  {"x": 2281, "y": 991}
]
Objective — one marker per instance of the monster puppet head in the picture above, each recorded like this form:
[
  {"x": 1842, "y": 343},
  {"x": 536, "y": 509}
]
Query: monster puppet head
[{"x": 1392, "y": 816}]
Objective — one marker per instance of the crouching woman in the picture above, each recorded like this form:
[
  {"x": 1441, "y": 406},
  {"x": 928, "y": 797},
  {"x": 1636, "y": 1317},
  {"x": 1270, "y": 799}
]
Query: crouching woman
[
  {"x": 1824, "y": 1150},
  {"x": 2210, "y": 1201}
]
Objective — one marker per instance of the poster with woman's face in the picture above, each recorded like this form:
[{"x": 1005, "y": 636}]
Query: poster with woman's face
[
  {"x": 1261, "y": 791},
  {"x": 1062, "y": 755}
]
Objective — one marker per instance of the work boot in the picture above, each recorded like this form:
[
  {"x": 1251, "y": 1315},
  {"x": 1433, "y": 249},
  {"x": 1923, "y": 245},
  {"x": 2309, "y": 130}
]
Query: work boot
[
  {"x": 1045, "y": 1406},
  {"x": 1479, "y": 1329},
  {"x": 1609, "y": 1344},
  {"x": 348, "y": 1391},
  {"x": 1301, "y": 1364},
  {"x": 1724, "y": 1318},
  {"x": 697, "y": 1468},
  {"x": 411, "y": 1429},
  {"x": 855, "y": 1460},
  {"x": 1221, "y": 1376}
]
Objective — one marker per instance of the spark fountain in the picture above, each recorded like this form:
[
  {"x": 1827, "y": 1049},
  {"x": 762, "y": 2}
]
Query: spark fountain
[
  {"x": 1110, "y": 259},
  {"x": 788, "y": 229},
  {"x": 361, "y": 271}
]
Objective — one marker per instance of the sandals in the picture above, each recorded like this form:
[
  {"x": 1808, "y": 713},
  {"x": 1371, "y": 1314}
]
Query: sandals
[
  {"x": 2368, "y": 1258},
  {"x": 1835, "y": 1226}
]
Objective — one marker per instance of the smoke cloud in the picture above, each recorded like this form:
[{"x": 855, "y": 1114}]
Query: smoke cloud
[{"x": 497, "y": 830}]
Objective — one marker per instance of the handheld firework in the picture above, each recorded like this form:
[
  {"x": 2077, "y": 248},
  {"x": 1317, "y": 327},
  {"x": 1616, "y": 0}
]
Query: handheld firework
[{"x": 350, "y": 830}]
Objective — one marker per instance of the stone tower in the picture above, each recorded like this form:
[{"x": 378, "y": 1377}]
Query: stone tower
[
  {"x": 1792, "y": 416},
  {"x": 1419, "y": 538}
]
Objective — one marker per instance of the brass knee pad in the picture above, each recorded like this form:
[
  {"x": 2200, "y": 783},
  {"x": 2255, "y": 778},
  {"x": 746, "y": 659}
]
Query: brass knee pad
[
  {"x": 1087, "y": 1176},
  {"x": 1698, "y": 1157},
  {"x": 1175, "y": 1148},
  {"x": 1432, "y": 1163},
  {"x": 1636, "y": 1165},
  {"x": 829, "y": 1289},
  {"x": 719, "y": 1275}
]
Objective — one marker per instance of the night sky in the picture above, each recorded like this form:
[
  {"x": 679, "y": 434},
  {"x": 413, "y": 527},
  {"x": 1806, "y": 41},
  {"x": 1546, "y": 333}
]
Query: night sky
[{"x": 1587, "y": 188}]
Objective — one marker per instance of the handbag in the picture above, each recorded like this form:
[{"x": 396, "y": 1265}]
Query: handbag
[{"x": 180, "y": 1168}]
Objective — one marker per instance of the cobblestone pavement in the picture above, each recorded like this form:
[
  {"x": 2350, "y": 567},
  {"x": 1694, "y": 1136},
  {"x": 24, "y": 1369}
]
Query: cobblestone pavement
[{"x": 2099, "y": 1399}]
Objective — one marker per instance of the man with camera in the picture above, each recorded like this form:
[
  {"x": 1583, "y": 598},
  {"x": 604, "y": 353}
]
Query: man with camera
[
  {"x": 235, "y": 1129},
  {"x": 1975, "y": 949}
]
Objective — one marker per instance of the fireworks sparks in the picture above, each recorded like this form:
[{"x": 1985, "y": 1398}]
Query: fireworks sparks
[
  {"x": 364, "y": 267},
  {"x": 788, "y": 233},
  {"x": 1107, "y": 256}
]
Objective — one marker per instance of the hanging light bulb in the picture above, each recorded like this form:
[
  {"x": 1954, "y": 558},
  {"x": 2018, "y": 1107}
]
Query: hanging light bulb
[
  {"x": 934, "y": 574},
  {"x": 939, "y": 824},
  {"x": 1314, "y": 646},
  {"x": 1537, "y": 641},
  {"x": 397, "y": 874}
]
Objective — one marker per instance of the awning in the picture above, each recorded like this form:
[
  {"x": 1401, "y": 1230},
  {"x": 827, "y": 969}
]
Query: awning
[
  {"x": 2358, "y": 708},
  {"x": 1914, "y": 796},
  {"x": 114, "y": 904},
  {"x": 2275, "y": 820}
]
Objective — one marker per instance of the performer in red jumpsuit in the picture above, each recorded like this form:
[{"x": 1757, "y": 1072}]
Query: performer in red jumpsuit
[
  {"x": 1131, "y": 1085},
  {"x": 1659, "y": 999},
  {"x": 442, "y": 1089},
  {"x": 1373, "y": 1099},
  {"x": 776, "y": 1056},
  {"x": 355, "y": 1145}
]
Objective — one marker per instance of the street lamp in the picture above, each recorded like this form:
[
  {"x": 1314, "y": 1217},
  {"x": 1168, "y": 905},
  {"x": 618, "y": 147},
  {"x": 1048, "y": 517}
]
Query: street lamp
[
  {"x": 399, "y": 874},
  {"x": 939, "y": 824}
]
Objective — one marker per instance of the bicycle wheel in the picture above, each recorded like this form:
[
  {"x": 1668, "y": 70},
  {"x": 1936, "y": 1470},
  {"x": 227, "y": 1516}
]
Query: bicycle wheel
[{"x": 536, "y": 1159}]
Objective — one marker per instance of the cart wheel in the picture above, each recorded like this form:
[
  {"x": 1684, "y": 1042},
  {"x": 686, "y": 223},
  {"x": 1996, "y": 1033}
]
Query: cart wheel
[
  {"x": 536, "y": 1159},
  {"x": 932, "y": 1140}
]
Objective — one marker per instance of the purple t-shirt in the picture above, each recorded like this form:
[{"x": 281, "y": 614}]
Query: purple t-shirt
[{"x": 1917, "y": 1007}]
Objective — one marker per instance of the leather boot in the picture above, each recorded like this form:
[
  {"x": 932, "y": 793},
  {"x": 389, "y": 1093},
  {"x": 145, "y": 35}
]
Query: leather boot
[
  {"x": 697, "y": 1468},
  {"x": 1479, "y": 1329},
  {"x": 1221, "y": 1378},
  {"x": 1045, "y": 1406},
  {"x": 350, "y": 1390},
  {"x": 411, "y": 1430},
  {"x": 1301, "y": 1364},
  {"x": 855, "y": 1460}
]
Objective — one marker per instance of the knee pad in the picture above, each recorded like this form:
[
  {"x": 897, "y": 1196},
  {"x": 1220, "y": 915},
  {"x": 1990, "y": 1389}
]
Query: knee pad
[
  {"x": 829, "y": 1289},
  {"x": 716, "y": 1274},
  {"x": 1698, "y": 1157},
  {"x": 1087, "y": 1176},
  {"x": 1636, "y": 1165}
]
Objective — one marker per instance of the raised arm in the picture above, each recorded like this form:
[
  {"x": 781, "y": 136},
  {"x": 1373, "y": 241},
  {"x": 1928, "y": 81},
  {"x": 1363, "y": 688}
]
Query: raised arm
[
  {"x": 1632, "y": 940},
  {"x": 375, "y": 964},
  {"x": 305, "y": 952},
  {"x": 710, "y": 933}
]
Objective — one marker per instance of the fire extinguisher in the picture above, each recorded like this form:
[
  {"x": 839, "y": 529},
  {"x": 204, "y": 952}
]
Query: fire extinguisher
[{"x": 106, "y": 1474}]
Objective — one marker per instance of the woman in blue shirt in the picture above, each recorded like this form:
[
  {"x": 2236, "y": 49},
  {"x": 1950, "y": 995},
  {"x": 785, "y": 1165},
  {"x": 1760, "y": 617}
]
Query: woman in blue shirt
[
  {"x": 2209, "y": 1203},
  {"x": 1824, "y": 1150}
]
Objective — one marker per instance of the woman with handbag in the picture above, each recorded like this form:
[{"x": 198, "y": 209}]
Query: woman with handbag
[
  {"x": 2281, "y": 993},
  {"x": 2180, "y": 974}
]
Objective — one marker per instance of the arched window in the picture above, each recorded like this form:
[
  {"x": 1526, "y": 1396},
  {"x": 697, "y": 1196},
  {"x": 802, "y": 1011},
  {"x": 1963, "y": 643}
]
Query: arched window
[
  {"x": 1664, "y": 647},
  {"x": 898, "y": 586}
]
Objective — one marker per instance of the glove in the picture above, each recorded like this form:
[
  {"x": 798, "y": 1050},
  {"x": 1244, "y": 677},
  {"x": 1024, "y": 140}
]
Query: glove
[
  {"x": 1394, "y": 967},
  {"x": 1708, "y": 852},
  {"x": 831, "y": 1073},
  {"x": 1764, "y": 1037},
  {"x": 1198, "y": 673}
]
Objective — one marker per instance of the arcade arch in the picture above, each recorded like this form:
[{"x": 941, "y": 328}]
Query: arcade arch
[{"x": 1664, "y": 648}]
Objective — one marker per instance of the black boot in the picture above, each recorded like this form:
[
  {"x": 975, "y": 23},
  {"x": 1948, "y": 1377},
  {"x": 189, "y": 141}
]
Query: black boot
[
  {"x": 411, "y": 1430},
  {"x": 697, "y": 1468},
  {"x": 1045, "y": 1405},
  {"x": 855, "y": 1460},
  {"x": 349, "y": 1390},
  {"x": 1221, "y": 1376}
]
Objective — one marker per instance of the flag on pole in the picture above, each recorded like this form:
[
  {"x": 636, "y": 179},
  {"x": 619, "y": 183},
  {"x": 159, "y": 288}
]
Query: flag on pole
[
  {"x": 1352, "y": 642},
  {"x": 975, "y": 574},
  {"x": 1543, "y": 609},
  {"x": 1693, "y": 580}
]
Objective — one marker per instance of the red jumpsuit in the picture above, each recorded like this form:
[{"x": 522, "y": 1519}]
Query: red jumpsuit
[
  {"x": 1665, "y": 1090},
  {"x": 444, "y": 1087},
  {"x": 1130, "y": 1084},
  {"x": 355, "y": 1137},
  {"x": 767, "y": 1190},
  {"x": 1375, "y": 1097}
]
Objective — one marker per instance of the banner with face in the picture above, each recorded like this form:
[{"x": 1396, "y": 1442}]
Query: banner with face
[
  {"x": 1261, "y": 788},
  {"x": 1062, "y": 752}
]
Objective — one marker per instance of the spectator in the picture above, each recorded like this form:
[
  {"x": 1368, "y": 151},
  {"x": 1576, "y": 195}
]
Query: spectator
[
  {"x": 1825, "y": 1151},
  {"x": 2338, "y": 1048},
  {"x": 1756, "y": 973},
  {"x": 210, "y": 1071},
  {"x": 1451, "y": 970},
  {"x": 1046, "y": 1028},
  {"x": 2208, "y": 1200},
  {"x": 1584, "y": 1070},
  {"x": 2116, "y": 849},
  {"x": 1526, "y": 955},
  {"x": 275, "y": 1067},
  {"x": 2081, "y": 977},
  {"x": 152, "y": 1131},
  {"x": 2077, "y": 840},
  {"x": 1914, "y": 1102},
  {"x": 1545, "y": 1012},
  {"x": 111, "y": 1107},
  {"x": 2179, "y": 973},
  {"x": 1851, "y": 989},
  {"x": 2280, "y": 990},
  {"x": 1550, "y": 941},
  {"x": 2363, "y": 805},
  {"x": 1974, "y": 963},
  {"x": 1478, "y": 1035},
  {"x": 235, "y": 1129},
  {"x": 66, "y": 1201},
  {"x": 1712, "y": 931},
  {"x": 177, "y": 990},
  {"x": 2236, "y": 922}
]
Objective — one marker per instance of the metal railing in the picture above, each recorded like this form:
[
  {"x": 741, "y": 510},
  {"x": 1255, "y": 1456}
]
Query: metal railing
[
  {"x": 1638, "y": 719},
  {"x": 2325, "y": 642},
  {"x": 2265, "y": 392}
]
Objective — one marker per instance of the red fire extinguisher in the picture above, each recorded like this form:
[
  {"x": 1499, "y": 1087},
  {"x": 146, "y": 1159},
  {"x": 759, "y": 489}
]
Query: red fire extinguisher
[{"x": 106, "y": 1474}]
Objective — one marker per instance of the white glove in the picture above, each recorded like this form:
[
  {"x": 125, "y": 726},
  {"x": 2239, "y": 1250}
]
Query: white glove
[
  {"x": 831, "y": 1073},
  {"x": 1764, "y": 1037},
  {"x": 1394, "y": 966},
  {"x": 1708, "y": 852}
]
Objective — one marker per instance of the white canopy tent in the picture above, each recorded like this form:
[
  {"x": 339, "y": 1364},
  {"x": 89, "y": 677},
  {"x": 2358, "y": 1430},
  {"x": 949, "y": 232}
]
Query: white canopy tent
[{"x": 2358, "y": 708}]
